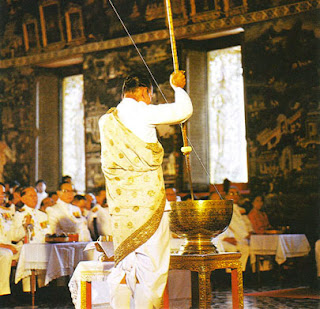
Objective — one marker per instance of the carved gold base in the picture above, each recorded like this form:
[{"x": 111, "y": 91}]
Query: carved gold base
[
  {"x": 198, "y": 246},
  {"x": 203, "y": 265}
]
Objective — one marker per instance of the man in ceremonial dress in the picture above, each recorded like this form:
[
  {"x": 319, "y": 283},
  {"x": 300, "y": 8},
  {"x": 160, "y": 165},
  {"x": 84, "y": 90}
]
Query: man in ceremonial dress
[
  {"x": 30, "y": 225},
  {"x": 65, "y": 217},
  {"x": 131, "y": 158},
  {"x": 8, "y": 251}
]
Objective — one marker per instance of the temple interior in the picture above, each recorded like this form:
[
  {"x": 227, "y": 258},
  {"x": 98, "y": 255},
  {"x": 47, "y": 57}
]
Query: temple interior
[{"x": 252, "y": 73}]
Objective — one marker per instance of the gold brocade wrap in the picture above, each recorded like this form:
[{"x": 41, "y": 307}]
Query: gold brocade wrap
[{"x": 134, "y": 184}]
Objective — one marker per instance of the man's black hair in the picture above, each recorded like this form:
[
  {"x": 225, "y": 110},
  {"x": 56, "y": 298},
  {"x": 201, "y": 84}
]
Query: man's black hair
[
  {"x": 64, "y": 178},
  {"x": 52, "y": 193},
  {"x": 40, "y": 181},
  {"x": 134, "y": 81},
  {"x": 79, "y": 197},
  {"x": 61, "y": 184}
]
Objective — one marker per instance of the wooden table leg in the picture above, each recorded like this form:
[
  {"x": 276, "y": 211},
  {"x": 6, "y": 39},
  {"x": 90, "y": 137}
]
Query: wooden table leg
[
  {"x": 85, "y": 295},
  {"x": 258, "y": 270},
  {"x": 33, "y": 286},
  {"x": 237, "y": 288},
  {"x": 204, "y": 290},
  {"x": 88, "y": 295},
  {"x": 166, "y": 297}
]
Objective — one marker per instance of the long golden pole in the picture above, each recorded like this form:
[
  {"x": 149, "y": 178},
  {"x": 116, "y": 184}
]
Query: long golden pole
[
  {"x": 176, "y": 68},
  {"x": 172, "y": 37}
]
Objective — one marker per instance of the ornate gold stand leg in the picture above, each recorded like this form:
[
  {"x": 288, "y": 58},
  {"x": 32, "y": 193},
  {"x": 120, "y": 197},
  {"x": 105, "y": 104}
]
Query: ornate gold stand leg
[
  {"x": 237, "y": 288},
  {"x": 204, "y": 290}
]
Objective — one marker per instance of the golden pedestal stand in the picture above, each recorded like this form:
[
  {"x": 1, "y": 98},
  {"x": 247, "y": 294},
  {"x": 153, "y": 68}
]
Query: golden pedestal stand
[{"x": 203, "y": 265}]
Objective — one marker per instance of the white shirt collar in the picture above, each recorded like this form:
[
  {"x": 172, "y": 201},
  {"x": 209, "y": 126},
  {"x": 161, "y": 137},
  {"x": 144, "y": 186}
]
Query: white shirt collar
[
  {"x": 62, "y": 203},
  {"x": 29, "y": 209}
]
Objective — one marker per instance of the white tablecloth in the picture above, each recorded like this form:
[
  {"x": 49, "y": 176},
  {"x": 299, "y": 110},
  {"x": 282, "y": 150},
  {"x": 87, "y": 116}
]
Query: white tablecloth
[
  {"x": 179, "y": 285},
  {"x": 283, "y": 246},
  {"x": 56, "y": 260}
]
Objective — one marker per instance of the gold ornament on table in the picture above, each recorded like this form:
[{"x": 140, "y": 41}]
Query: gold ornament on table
[{"x": 198, "y": 222}]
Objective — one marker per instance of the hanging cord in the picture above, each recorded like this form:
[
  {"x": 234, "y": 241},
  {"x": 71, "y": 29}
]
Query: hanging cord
[
  {"x": 156, "y": 83},
  {"x": 204, "y": 168}
]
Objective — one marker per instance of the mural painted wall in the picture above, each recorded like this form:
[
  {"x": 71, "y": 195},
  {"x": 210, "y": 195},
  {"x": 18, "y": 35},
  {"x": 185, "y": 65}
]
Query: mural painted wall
[
  {"x": 30, "y": 26},
  {"x": 282, "y": 103},
  {"x": 17, "y": 125}
]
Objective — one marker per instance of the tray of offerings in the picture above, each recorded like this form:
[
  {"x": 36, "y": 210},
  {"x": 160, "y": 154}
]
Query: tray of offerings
[
  {"x": 273, "y": 232},
  {"x": 55, "y": 238}
]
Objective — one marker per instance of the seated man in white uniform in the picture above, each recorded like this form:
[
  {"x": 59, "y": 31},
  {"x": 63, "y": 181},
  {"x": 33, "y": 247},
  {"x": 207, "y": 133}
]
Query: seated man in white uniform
[
  {"x": 8, "y": 251},
  {"x": 99, "y": 220},
  {"x": 30, "y": 225},
  {"x": 41, "y": 187},
  {"x": 237, "y": 235},
  {"x": 131, "y": 158},
  {"x": 65, "y": 217}
]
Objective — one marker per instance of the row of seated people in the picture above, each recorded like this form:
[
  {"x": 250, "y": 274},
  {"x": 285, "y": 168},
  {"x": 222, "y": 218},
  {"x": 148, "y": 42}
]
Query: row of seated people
[
  {"x": 22, "y": 222},
  {"x": 70, "y": 213}
]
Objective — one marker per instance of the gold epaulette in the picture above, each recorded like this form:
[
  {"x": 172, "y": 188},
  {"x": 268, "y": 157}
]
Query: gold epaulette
[{"x": 111, "y": 110}]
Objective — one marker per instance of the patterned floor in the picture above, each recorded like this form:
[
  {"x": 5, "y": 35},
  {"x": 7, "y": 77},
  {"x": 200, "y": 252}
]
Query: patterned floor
[
  {"x": 53, "y": 297},
  {"x": 223, "y": 301}
]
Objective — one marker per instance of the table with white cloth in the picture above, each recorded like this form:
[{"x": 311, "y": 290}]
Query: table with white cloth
[
  {"x": 53, "y": 259},
  {"x": 88, "y": 286},
  {"x": 282, "y": 246}
]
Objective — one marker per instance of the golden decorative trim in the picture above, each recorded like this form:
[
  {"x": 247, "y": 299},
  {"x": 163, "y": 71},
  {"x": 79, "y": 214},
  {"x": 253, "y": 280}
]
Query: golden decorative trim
[
  {"x": 210, "y": 26},
  {"x": 141, "y": 235},
  {"x": 31, "y": 34},
  {"x": 75, "y": 31},
  {"x": 83, "y": 294},
  {"x": 55, "y": 23}
]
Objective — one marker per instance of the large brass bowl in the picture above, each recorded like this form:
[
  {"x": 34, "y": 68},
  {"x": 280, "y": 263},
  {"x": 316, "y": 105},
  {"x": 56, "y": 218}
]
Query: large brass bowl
[{"x": 198, "y": 222}]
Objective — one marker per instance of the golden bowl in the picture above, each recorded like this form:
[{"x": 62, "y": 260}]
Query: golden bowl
[{"x": 198, "y": 222}]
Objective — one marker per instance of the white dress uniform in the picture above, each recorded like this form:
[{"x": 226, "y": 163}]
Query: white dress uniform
[
  {"x": 41, "y": 196},
  {"x": 102, "y": 216},
  {"x": 39, "y": 221},
  {"x": 6, "y": 255},
  {"x": 37, "y": 234},
  {"x": 238, "y": 229},
  {"x": 67, "y": 218},
  {"x": 150, "y": 262}
]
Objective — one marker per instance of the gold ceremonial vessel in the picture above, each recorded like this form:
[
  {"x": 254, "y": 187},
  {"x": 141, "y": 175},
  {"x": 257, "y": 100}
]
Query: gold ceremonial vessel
[{"x": 198, "y": 221}]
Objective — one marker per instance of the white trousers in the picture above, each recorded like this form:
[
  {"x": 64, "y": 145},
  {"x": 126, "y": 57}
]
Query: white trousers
[
  {"x": 5, "y": 270},
  {"x": 242, "y": 247},
  {"x": 149, "y": 264}
]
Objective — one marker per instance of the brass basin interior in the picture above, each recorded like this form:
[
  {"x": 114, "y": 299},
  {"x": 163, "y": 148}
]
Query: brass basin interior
[{"x": 198, "y": 222}]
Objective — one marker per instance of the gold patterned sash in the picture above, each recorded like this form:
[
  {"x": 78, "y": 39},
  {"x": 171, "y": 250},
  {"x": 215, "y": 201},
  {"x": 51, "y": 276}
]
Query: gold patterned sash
[{"x": 134, "y": 184}]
